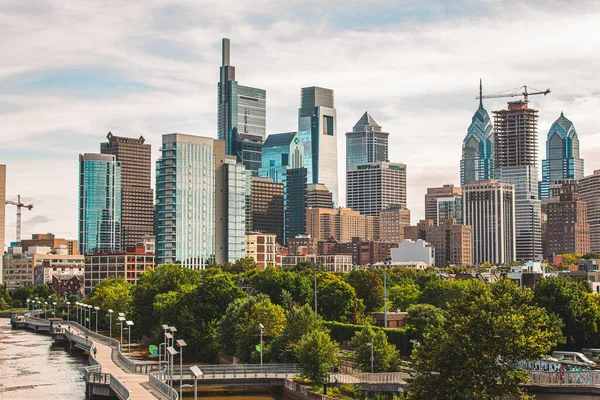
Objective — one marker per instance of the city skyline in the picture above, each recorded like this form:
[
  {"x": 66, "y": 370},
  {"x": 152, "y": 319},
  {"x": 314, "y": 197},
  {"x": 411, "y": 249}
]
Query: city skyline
[{"x": 60, "y": 97}]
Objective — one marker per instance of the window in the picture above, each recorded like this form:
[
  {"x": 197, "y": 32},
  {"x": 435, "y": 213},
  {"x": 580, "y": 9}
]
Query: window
[{"x": 328, "y": 125}]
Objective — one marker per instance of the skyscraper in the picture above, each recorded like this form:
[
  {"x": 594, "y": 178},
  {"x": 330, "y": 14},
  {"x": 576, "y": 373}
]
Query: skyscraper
[
  {"x": 2, "y": 212},
  {"x": 265, "y": 207},
  {"x": 568, "y": 230},
  {"x": 137, "y": 204},
  {"x": 371, "y": 187},
  {"x": 341, "y": 224},
  {"x": 448, "y": 193},
  {"x": 589, "y": 191},
  {"x": 452, "y": 242},
  {"x": 562, "y": 155},
  {"x": 99, "y": 203},
  {"x": 318, "y": 196},
  {"x": 477, "y": 150},
  {"x": 366, "y": 143},
  {"x": 235, "y": 203},
  {"x": 489, "y": 208},
  {"x": 194, "y": 179},
  {"x": 295, "y": 212},
  {"x": 515, "y": 158},
  {"x": 317, "y": 130},
  {"x": 241, "y": 114}
]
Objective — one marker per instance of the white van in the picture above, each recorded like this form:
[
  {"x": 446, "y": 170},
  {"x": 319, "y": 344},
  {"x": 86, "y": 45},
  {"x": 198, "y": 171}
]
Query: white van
[
  {"x": 573, "y": 358},
  {"x": 592, "y": 354}
]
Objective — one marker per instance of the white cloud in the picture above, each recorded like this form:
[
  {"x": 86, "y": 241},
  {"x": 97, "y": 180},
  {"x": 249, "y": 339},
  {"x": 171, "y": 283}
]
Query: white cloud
[{"x": 418, "y": 77}]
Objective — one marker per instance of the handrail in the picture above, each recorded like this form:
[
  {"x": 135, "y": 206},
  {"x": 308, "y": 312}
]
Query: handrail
[
  {"x": 157, "y": 383},
  {"x": 363, "y": 377},
  {"x": 566, "y": 378},
  {"x": 93, "y": 374},
  {"x": 217, "y": 371}
]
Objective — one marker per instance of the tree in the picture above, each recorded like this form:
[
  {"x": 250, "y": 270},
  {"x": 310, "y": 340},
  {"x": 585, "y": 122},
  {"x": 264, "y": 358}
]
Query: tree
[
  {"x": 23, "y": 293},
  {"x": 385, "y": 356},
  {"x": 368, "y": 287},
  {"x": 44, "y": 291},
  {"x": 299, "y": 321},
  {"x": 572, "y": 301},
  {"x": 337, "y": 300},
  {"x": 569, "y": 259},
  {"x": 240, "y": 266},
  {"x": 273, "y": 281},
  {"x": 404, "y": 295},
  {"x": 591, "y": 255},
  {"x": 317, "y": 354},
  {"x": 112, "y": 293},
  {"x": 422, "y": 318},
  {"x": 474, "y": 352}
]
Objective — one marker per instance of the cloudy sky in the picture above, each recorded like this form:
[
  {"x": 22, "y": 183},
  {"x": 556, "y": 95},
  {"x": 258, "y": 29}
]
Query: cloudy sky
[{"x": 71, "y": 71}]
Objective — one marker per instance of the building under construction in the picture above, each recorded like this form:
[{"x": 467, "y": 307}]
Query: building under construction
[{"x": 515, "y": 135}]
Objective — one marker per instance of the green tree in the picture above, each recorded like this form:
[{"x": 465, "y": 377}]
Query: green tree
[
  {"x": 591, "y": 255},
  {"x": 240, "y": 266},
  {"x": 44, "y": 291},
  {"x": 273, "y": 281},
  {"x": 111, "y": 293},
  {"x": 317, "y": 354},
  {"x": 368, "y": 287},
  {"x": 404, "y": 294},
  {"x": 299, "y": 321},
  {"x": 23, "y": 293},
  {"x": 474, "y": 352},
  {"x": 337, "y": 300},
  {"x": 422, "y": 318},
  {"x": 572, "y": 301},
  {"x": 385, "y": 356},
  {"x": 569, "y": 259}
]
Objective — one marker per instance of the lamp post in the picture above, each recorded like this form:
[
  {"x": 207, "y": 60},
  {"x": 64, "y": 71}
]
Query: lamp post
[
  {"x": 96, "y": 309},
  {"x": 77, "y": 311},
  {"x": 315, "y": 268},
  {"x": 181, "y": 345},
  {"x": 68, "y": 311},
  {"x": 45, "y": 308},
  {"x": 129, "y": 325},
  {"x": 385, "y": 265},
  {"x": 90, "y": 307},
  {"x": 195, "y": 373},
  {"x": 172, "y": 352},
  {"x": 371, "y": 346},
  {"x": 261, "y": 326},
  {"x": 165, "y": 327},
  {"x": 110, "y": 313},
  {"x": 54, "y": 309},
  {"x": 168, "y": 338},
  {"x": 173, "y": 331},
  {"x": 27, "y": 301},
  {"x": 121, "y": 321}
]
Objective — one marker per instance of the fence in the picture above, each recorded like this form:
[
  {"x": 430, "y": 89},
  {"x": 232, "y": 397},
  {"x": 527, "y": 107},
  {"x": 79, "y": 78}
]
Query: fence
[
  {"x": 566, "y": 378},
  {"x": 377, "y": 378},
  {"x": 241, "y": 371},
  {"x": 164, "y": 389},
  {"x": 93, "y": 374}
]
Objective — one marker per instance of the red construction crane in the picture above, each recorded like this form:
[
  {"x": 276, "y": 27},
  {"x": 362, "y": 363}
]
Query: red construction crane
[
  {"x": 19, "y": 205},
  {"x": 513, "y": 93}
]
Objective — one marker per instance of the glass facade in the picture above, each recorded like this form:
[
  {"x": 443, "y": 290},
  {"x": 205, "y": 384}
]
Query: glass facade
[
  {"x": 450, "y": 208},
  {"x": 99, "y": 203},
  {"x": 366, "y": 143},
  {"x": 477, "y": 153},
  {"x": 562, "y": 155},
  {"x": 236, "y": 210}
]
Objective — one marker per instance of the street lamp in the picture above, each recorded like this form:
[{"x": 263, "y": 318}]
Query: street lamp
[
  {"x": 45, "y": 308},
  {"x": 110, "y": 313},
  {"x": 27, "y": 301},
  {"x": 181, "y": 343},
  {"x": 371, "y": 346},
  {"x": 121, "y": 320},
  {"x": 261, "y": 326},
  {"x": 168, "y": 339},
  {"x": 385, "y": 265},
  {"x": 129, "y": 325},
  {"x": 96, "y": 309},
  {"x": 172, "y": 352},
  {"x": 165, "y": 328},
  {"x": 90, "y": 316},
  {"x": 195, "y": 373},
  {"x": 68, "y": 311},
  {"x": 173, "y": 331},
  {"x": 315, "y": 268},
  {"x": 54, "y": 309}
]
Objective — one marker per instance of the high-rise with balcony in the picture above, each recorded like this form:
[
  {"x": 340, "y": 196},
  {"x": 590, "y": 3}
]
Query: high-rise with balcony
[
  {"x": 137, "y": 204},
  {"x": 99, "y": 203},
  {"x": 317, "y": 129},
  {"x": 562, "y": 155},
  {"x": 366, "y": 143},
  {"x": 515, "y": 158},
  {"x": 199, "y": 202},
  {"x": 371, "y": 187},
  {"x": 241, "y": 115},
  {"x": 477, "y": 150}
]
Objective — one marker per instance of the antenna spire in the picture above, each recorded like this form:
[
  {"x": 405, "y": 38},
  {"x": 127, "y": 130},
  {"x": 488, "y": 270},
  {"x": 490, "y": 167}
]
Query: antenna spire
[{"x": 480, "y": 94}]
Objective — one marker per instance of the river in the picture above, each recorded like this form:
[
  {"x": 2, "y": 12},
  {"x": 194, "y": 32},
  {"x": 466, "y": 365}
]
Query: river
[{"x": 31, "y": 367}]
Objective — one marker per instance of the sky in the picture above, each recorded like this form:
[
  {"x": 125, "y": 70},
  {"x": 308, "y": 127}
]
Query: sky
[{"x": 71, "y": 71}]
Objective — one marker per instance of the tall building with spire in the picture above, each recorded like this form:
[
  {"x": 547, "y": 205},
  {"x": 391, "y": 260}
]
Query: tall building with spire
[
  {"x": 366, "y": 143},
  {"x": 477, "y": 150},
  {"x": 317, "y": 130},
  {"x": 242, "y": 114},
  {"x": 562, "y": 155}
]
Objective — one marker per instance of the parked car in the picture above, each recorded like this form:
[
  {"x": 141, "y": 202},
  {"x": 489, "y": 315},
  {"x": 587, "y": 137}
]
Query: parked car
[
  {"x": 573, "y": 358},
  {"x": 592, "y": 354}
]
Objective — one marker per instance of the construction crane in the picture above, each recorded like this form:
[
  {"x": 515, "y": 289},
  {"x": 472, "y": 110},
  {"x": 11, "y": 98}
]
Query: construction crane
[
  {"x": 512, "y": 93},
  {"x": 19, "y": 205}
]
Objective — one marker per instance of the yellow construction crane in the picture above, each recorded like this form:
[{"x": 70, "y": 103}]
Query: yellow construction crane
[{"x": 19, "y": 205}]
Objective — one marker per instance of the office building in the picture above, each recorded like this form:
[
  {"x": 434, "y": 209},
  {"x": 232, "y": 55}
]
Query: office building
[
  {"x": 241, "y": 114},
  {"x": 262, "y": 248},
  {"x": 589, "y": 191},
  {"x": 295, "y": 212},
  {"x": 318, "y": 196},
  {"x": 193, "y": 188},
  {"x": 317, "y": 129},
  {"x": 2, "y": 213},
  {"x": 445, "y": 192},
  {"x": 137, "y": 203},
  {"x": 489, "y": 208},
  {"x": 452, "y": 242},
  {"x": 450, "y": 208},
  {"x": 410, "y": 251},
  {"x": 50, "y": 240},
  {"x": 477, "y": 150},
  {"x": 327, "y": 262},
  {"x": 129, "y": 265},
  {"x": 303, "y": 245},
  {"x": 265, "y": 207},
  {"x": 99, "y": 203},
  {"x": 568, "y": 230},
  {"x": 515, "y": 158},
  {"x": 392, "y": 221},
  {"x": 374, "y": 186},
  {"x": 340, "y": 225},
  {"x": 234, "y": 209},
  {"x": 366, "y": 143},
  {"x": 562, "y": 155}
]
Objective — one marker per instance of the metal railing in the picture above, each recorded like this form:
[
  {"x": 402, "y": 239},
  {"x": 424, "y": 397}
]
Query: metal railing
[
  {"x": 78, "y": 340},
  {"x": 36, "y": 321},
  {"x": 241, "y": 371},
  {"x": 368, "y": 378},
  {"x": 566, "y": 378},
  {"x": 157, "y": 383},
  {"x": 93, "y": 374}
]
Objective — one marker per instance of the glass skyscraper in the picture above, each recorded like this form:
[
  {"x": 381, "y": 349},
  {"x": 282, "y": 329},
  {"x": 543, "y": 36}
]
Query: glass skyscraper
[
  {"x": 477, "y": 153},
  {"x": 562, "y": 155},
  {"x": 366, "y": 143},
  {"x": 241, "y": 114},
  {"x": 99, "y": 203},
  {"x": 236, "y": 210},
  {"x": 317, "y": 129}
]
